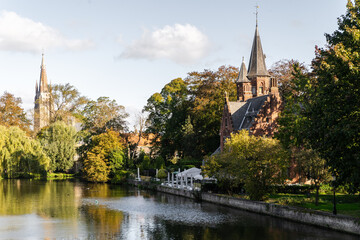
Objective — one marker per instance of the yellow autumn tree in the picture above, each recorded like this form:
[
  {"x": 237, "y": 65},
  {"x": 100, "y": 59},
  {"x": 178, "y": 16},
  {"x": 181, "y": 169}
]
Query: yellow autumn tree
[
  {"x": 257, "y": 163},
  {"x": 104, "y": 157}
]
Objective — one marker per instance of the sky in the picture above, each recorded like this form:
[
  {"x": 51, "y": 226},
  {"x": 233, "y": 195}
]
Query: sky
[{"x": 128, "y": 50}]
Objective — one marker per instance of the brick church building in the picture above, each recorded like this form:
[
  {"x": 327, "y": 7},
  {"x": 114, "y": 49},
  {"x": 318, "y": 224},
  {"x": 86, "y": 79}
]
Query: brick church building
[{"x": 258, "y": 101}]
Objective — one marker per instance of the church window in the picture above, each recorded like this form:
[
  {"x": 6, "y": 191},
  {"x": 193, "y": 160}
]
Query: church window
[{"x": 261, "y": 90}]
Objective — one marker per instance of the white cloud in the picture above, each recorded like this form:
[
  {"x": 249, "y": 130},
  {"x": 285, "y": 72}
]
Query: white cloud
[
  {"x": 23, "y": 34},
  {"x": 179, "y": 43}
]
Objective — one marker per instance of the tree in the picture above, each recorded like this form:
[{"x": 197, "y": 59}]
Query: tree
[
  {"x": 334, "y": 106},
  {"x": 59, "y": 143},
  {"x": 256, "y": 162},
  {"x": 104, "y": 114},
  {"x": 313, "y": 167},
  {"x": 167, "y": 112},
  {"x": 20, "y": 154},
  {"x": 188, "y": 136},
  {"x": 139, "y": 127},
  {"x": 201, "y": 97},
  {"x": 67, "y": 102},
  {"x": 105, "y": 156},
  {"x": 207, "y": 91},
  {"x": 283, "y": 71},
  {"x": 293, "y": 122},
  {"x": 12, "y": 114}
]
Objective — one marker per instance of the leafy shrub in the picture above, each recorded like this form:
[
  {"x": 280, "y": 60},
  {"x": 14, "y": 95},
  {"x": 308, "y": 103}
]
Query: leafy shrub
[
  {"x": 162, "y": 173},
  {"x": 119, "y": 176}
]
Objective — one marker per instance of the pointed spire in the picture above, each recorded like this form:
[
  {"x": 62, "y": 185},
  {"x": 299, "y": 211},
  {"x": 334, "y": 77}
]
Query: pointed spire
[
  {"x": 42, "y": 60},
  {"x": 242, "y": 74},
  {"x": 43, "y": 78},
  {"x": 257, "y": 66},
  {"x": 226, "y": 96},
  {"x": 36, "y": 87}
]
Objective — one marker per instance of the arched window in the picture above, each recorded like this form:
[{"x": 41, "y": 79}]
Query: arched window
[{"x": 261, "y": 90}]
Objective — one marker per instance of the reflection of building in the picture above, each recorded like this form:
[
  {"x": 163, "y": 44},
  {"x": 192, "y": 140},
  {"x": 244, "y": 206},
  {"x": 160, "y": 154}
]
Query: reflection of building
[
  {"x": 42, "y": 109},
  {"x": 258, "y": 100}
]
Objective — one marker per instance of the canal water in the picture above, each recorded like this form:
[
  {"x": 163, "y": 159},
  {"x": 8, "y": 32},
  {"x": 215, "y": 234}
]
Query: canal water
[{"x": 75, "y": 210}]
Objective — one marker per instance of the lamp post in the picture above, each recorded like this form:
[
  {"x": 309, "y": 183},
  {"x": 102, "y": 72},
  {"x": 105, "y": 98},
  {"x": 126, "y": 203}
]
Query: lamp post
[{"x": 334, "y": 198}]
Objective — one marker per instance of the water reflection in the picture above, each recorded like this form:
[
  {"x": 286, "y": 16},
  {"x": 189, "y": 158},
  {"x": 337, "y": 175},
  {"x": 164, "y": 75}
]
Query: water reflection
[{"x": 68, "y": 210}]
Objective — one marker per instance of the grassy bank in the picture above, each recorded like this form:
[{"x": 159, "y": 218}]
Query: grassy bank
[{"x": 345, "y": 204}]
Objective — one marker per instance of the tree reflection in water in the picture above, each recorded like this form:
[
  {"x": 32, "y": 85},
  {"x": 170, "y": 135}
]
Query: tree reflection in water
[{"x": 71, "y": 209}]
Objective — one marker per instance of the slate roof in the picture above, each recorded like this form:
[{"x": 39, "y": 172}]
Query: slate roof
[
  {"x": 244, "y": 113},
  {"x": 257, "y": 65}
]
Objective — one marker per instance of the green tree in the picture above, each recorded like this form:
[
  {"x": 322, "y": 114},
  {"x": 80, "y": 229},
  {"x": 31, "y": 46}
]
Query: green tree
[
  {"x": 334, "y": 107},
  {"x": 201, "y": 98},
  {"x": 188, "y": 136},
  {"x": 167, "y": 112},
  {"x": 12, "y": 114},
  {"x": 256, "y": 162},
  {"x": 20, "y": 154},
  {"x": 104, "y": 114},
  {"x": 207, "y": 91},
  {"x": 293, "y": 122},
  {"x": 59, "y": 143},
  {"x": 67, "y": 102},
  {"x": 310, "y": 164},
  {"x": 105, "y": 156},
  {"x": 283, "y": 71}
]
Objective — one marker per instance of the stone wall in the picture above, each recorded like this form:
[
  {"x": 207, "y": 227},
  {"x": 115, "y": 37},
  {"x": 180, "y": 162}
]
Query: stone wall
[{"x": 307, "y": 216}]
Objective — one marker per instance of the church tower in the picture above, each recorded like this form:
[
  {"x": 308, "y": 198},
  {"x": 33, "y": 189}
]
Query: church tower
[
  {"x": 257, "y": 73},
  {"x": 257, "y": 81},
  {"x": 42, "y": 109},
  {"x": 258, "y": 101}
]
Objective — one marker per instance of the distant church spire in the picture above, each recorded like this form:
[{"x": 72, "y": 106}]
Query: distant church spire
[
  {"x": 43, "y": 76},
  {"x": 42, "y": 108},
  {"x": 257, "y": 66}
]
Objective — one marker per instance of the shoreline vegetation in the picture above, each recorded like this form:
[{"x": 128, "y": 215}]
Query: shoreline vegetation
[{"x": 346, "y": 204}]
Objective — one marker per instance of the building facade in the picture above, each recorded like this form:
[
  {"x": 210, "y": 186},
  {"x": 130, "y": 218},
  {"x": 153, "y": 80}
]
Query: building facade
[
  {"x": 258, "y": 101},
  {"x": 42, "y": 108}
]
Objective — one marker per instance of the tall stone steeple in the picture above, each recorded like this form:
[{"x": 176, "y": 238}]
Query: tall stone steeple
[
  {"x": 257, "y": 72},
  {"x": 42, "y": 108},
  {"x": 257, "y": 66},
  {"x": 43, "y": 77}
]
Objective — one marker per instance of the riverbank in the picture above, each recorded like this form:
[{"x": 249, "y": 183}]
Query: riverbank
[{"x": 302, "y": 215}]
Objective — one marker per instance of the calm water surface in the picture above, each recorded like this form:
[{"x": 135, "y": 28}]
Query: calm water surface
[{"x": 74, "y": 210}]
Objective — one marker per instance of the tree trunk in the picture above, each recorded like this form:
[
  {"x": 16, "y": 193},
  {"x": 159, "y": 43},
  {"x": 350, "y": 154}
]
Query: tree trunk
[{"x": 317, "y": 186}]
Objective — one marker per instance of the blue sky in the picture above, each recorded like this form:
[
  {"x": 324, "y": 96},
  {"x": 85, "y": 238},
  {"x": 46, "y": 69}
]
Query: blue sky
[{"x": 128, "y": 50}]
